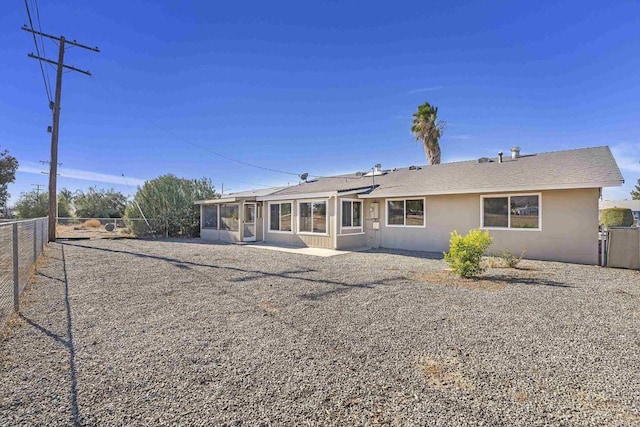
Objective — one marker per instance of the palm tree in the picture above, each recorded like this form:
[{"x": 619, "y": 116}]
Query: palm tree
[{"x": 428, "y": 130}]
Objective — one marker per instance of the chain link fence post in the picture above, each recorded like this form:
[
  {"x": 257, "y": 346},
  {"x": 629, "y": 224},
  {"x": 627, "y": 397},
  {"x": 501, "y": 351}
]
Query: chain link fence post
[
  {"x": 35, "y": 241},
  {"x": 16, "y": 273}
]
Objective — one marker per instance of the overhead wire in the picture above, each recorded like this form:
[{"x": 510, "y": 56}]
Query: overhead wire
[
  {"x": 44, "y": 51},
  {"x": 35, "y": 41},
  {"x": 242, "y": 162}
]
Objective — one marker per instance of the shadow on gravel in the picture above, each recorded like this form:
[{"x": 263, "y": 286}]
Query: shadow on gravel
[
  {"x": 68, "y": 343},
  {"x": 535, "y": 281},
  {"x": 317, "y": 296},
  {"x": 411, "y": 254},
  {"x": 255, "y": 274}
]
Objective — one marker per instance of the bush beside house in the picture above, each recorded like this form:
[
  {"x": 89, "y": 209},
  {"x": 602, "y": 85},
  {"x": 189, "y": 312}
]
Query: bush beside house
[
  {"x": 617, "y": 217},
  {"x": 465, "y": 252}
]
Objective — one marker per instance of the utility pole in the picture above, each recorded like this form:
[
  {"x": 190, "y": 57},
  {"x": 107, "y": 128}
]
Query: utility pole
[
  {"x": 37, "y": 189},
  {"x": 53, "y": 165}
]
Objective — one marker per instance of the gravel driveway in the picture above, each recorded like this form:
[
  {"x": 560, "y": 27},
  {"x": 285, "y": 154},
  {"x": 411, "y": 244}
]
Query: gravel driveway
[{"x": 129, "y": 332}]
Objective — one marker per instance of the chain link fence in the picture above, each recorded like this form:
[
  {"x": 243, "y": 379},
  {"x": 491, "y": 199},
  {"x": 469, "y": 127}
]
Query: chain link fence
[
  {"x": 96, "y": 228},
  {"x": 21, "y": 243}
]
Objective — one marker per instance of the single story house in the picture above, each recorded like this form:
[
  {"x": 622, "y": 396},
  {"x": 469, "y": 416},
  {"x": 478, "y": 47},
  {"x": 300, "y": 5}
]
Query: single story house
[
  {"x": 634, "y": 205},
  {"x": 546, "y": 203}
]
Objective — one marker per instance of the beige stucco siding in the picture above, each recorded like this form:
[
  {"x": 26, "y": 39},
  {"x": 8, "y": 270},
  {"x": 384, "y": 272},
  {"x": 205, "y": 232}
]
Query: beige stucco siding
[
  {"x": 298, "y": 239},
  {"x": 569, "y": 227},
  {"x": 352, "y": 241}
]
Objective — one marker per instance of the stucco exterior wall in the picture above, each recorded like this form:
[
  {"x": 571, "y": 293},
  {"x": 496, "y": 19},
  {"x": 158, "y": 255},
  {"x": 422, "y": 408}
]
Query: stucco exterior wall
[
  {"x": 352, "y": 241},
  {"x": 569, "y": 227}
]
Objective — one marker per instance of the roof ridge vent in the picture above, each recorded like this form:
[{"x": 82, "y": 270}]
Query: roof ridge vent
[
  {"x": 484, "y": 160},
  {"x": 414, "y": 168}
]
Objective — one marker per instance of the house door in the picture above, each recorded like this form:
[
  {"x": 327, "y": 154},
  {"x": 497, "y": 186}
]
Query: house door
[{"x": 249, "y": 221}]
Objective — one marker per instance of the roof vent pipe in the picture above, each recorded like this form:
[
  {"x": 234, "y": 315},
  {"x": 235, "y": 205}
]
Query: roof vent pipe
[
  {"x": 377, "y": 168},
  {"x": 515, "y": 152},
  {"x": 500, "y": 157}
]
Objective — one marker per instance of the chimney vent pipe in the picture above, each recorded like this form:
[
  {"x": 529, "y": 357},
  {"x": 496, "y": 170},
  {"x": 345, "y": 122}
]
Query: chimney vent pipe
[
  {"x": 515, "y": 152},
  {"x": 500, "y": 157}
]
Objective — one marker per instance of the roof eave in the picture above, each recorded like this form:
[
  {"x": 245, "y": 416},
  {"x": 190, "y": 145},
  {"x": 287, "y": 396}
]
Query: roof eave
[{"x": 381, "y": 194}]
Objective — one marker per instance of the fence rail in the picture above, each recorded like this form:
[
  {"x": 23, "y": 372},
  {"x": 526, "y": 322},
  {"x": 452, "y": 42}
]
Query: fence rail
[{"x": 21, "y": 243}]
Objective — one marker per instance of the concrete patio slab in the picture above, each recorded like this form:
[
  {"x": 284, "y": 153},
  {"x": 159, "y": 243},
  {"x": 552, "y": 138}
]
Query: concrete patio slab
[{"x": 320, "y": 252}]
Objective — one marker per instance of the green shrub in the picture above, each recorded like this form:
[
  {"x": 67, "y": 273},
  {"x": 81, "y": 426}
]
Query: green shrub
[
  {"x": 617, "y": 217},
  {"x": 510, "y": 260},
  {"x": 465, "y": 253}
]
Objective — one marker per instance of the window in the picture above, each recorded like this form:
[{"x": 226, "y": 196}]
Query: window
[
  {"x": 312, "y": 217},
  {"x": 229, "y": 217},
  {"x": 520, "y": 211},
  {"x": 280, "y": 217},
  {"x": 210, "y": 216},
  {"x": 406, "y": 213},
  {"x": 351, "y": 214}
]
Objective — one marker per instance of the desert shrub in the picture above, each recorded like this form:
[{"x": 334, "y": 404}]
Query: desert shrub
[
  {"x": 492, "y": 262},
  {"x": 93, "y": 223},
  {"x": 465, "y": 252},
  {"x": 510, "y": 260},
  {"x": 617, "y": 217}
]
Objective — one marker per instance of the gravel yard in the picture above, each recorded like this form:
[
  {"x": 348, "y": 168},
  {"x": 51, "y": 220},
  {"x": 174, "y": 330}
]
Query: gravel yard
[{"x": 129, "y": 332}]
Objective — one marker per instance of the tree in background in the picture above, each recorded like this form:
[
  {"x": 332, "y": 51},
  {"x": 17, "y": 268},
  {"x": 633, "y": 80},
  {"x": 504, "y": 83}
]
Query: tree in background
[
  {"x": 99, "y": 203},
  {"x": 168, "y": 203},
  {"x": 8, "y": 168},
  {"x": 35, "y": 204},
  {"x": 428, "y": 129},
  {"x": 635, "y": 193}
]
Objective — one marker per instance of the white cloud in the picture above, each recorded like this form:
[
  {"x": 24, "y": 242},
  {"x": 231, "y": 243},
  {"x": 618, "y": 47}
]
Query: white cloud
[
  {"x": 425, "y": 89},
  {"x": 34, "y": 168},
  {"x": 628, "y": 157}
]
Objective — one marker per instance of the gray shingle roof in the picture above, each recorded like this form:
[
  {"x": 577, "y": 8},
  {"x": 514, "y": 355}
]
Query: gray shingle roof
[{"x": 580, "y": 168}]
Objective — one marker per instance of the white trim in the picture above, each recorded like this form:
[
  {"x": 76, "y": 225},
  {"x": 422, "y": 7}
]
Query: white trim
[
  {"x": 326, "y": 201},
  {"x": 323, "y": 195},
  {"x": 218, "y": 201},
  {"x": 404, "y": 216},
  {"x": 269, "y": 203},
  {"x": 351, "y": 234},
  {"x": 255, "y": 220},
  {"x": 380, "y": 194},
  {"x": 351, "y": 227},
  {"x": 335, "y": 214},
  {"x": 508, "y": 196},
  {"x": 354, "y": 192}
]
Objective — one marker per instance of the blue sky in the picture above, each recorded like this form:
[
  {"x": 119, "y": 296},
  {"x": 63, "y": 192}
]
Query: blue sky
[{"x": 321, "y": 87}]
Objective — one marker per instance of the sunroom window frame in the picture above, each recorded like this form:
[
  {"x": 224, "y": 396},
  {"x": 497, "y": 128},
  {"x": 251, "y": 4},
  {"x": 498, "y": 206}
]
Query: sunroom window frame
[
  {"x": 508, "y": 196},
  {"x": 217, "y": 227},
  {"x": 404, "y": 215},
  {"x": 299, "y": 221},
  {"x": 279, "y": 202},
  {"x": 352, "y": 227}
]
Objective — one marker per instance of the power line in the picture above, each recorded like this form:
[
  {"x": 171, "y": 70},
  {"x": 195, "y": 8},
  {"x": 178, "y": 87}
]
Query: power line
[
  {"x": 35, "y": 41},
  {"x": 53, "y": 165},
  {"x": 44, "y": 52}
]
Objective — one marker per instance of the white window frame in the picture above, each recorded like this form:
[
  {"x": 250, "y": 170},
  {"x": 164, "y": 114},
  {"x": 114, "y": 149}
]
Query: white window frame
[
  {"x": 311, "y": 233},
  {"x": 404, "y": 217},
  {"x": 508, "y": 196},
  {"x": 279, "y": 202},
  {"x": 342, "y": 227}
]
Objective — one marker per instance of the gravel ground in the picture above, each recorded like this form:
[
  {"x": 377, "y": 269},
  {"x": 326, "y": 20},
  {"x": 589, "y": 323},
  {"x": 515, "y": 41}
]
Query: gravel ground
[{"x": 127, "y": 332}]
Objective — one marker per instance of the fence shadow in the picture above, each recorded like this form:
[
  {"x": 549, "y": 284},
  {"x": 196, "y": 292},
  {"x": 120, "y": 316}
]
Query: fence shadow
[{"x": 68, "y": 342}]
